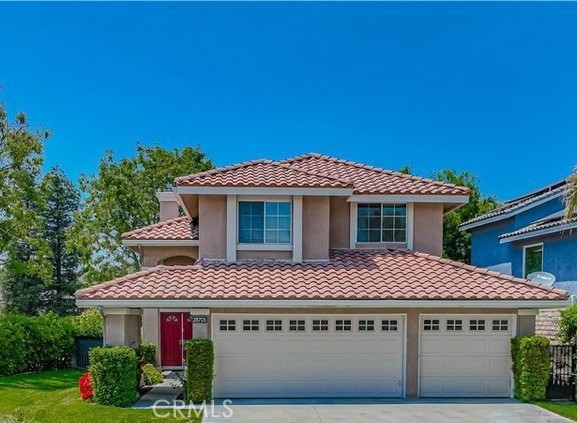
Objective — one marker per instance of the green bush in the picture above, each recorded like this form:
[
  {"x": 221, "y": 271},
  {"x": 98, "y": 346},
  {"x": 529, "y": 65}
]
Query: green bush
[
  {"x": 89, "y": 323},
  {"x": 199, "y": 371},
  {"x": 38, "y": 343},
  {"x": 531, "y": 367},
  {"x": 146, "y": 354},
  {"x": 151, "y": 375},
  {"x": 114, "y": 375}
]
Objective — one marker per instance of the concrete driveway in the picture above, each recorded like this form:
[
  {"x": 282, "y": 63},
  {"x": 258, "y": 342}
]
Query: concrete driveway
[{"x": 417, "y": 411}]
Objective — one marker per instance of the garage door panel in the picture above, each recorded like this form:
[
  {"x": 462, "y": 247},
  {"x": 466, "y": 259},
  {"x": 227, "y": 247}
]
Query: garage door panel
[
  {"x": 466, "y": 361},
  {"x": 308, "y": 363}
]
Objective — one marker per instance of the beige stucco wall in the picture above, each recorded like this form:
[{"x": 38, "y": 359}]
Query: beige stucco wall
[
  {"x": 339, "y": 230},
  {"x": 428, "y": 228},
  {"x": 121, "y": 329},
  {"x": 151, "y": 330},
  {"x": 316, "y": 228},
  {"x": 212, "y": 226},
  {"x": 169, "y": 210},
  {"x": 264, "y": 255},
  {"x": 526, "y": 325},
  {"x": 153, "y": 256}
]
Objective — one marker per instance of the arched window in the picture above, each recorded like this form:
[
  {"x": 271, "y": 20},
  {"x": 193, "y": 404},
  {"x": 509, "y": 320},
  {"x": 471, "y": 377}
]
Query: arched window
[{"x": 178, "y": 261}]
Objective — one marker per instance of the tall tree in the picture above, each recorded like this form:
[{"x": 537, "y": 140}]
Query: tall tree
[
  {"x": 571, "y": 195},
  {"x": 456, "y": 243},
  {"x": 61, "y": 201},
  {"x": 21, "y": 158},
  {"x": 23, "y": 251},
  {"x": 120, "y": 197}
]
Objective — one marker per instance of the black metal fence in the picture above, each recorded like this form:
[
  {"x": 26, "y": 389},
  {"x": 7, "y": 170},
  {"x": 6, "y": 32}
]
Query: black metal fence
[
  {"x": 562, "y": 382},
  {"x": 81, "y": 346}
]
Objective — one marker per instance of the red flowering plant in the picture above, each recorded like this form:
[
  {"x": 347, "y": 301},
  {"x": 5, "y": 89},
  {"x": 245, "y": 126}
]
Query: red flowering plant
[{"x": 85, "y": 386}]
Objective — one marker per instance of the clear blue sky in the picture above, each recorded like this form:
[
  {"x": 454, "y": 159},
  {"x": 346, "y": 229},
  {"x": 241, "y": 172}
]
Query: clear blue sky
[{"x": 489, "y": 88}]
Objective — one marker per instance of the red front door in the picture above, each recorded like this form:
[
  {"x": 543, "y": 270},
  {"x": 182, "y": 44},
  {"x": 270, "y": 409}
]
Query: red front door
[{"x": 175, "y": 328}]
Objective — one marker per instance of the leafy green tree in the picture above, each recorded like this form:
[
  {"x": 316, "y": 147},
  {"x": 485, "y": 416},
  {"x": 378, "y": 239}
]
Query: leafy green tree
[
  {"x": 571, "y": 195},
  {"x": 568, "y": 325},
  {"x": 120, "y": 197},
  {"x": 456, "y": 243},
  {"x": 61, "y": 201},
  {"x": 406, "y": 169},
  {"x": 21, "y": 158}
]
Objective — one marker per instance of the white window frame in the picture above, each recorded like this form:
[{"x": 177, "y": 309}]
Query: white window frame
[
  {"x": 353, "y": 224},
  {"x": 525, "y": 247},
  {"x": 264, "y": 245}
]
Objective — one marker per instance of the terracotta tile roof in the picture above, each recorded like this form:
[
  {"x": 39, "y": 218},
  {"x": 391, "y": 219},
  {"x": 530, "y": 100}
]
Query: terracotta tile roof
[
  {"x": 520, "y": 202},
  {"x": 374, "y": 180},
  {"x": 561, "y": 222},
  {"x": 262, "y": 173},
  {"x": 180, "y": 228},
  {"x": 348, "y": 275}
]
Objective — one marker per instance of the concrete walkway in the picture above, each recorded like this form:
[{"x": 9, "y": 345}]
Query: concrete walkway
[
  {"x": 168, "y": 390},
  {"x": 416, "y": 411}
]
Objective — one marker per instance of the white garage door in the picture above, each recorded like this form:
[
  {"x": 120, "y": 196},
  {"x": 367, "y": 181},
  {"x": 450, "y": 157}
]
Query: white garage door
[
  {"x": 281, "y": 356},
  {"x": 465, "y": 355}
]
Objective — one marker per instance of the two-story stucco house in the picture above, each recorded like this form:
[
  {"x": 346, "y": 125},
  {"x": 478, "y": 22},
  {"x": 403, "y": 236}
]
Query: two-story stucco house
[
  {"x": 319, "y": 277},
  {"x": 529, "y": 234}
]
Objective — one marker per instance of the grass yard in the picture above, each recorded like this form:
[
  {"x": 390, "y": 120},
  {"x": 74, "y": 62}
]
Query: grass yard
[
  {"x": 568, "y": 410},
  {"x": 49, "y": 397}
]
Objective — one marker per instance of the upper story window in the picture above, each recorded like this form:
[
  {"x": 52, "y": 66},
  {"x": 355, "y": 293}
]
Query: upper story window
[
  {"x": 532, "y": 259},
  {"x": 264, "y": 222},
  {"x": 381, "y": 222}
]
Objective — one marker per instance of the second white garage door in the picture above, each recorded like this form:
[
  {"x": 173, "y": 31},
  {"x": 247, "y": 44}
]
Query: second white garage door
[
  {"x": 288, "y": 356},
  {"x": 465, "y": 355}
]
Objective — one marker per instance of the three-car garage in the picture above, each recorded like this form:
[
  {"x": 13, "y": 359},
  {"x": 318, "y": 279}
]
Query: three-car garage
[{"x": 360, "y": 356}]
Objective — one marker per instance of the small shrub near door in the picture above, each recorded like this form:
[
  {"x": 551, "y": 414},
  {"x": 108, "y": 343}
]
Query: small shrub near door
[
  {"x": 199, "y": 370},
  {"x": 151, "y": 375},
  {"x": 531, "y": 367},
  {"x": 146, "y": 354},
  {"x": 114, "y": 375}
]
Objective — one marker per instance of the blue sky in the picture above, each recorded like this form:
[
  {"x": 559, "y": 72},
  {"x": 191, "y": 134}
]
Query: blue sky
[{"x": 486, "y": 87}]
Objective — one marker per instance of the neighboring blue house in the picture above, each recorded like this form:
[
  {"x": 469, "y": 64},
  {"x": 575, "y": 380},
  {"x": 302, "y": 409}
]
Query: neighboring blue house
[{"x": 528, "y": 234}]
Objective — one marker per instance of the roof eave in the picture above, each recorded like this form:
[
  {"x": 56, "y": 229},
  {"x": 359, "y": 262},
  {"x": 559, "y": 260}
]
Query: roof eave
[
  {"x": 505, "y": 238},
  {"x": 185, "y": 303}
]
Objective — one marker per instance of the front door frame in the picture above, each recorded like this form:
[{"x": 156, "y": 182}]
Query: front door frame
[{"x": 185, "y": 314}]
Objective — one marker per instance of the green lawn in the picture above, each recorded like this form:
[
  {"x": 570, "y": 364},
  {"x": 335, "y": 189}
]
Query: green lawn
[
  {"x": 568, "y": 410},
  {"x": 49, "y": 397}
]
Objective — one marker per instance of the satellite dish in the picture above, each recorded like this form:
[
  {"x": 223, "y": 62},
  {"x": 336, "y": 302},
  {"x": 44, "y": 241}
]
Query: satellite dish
[{"x": 543, "y": 278}]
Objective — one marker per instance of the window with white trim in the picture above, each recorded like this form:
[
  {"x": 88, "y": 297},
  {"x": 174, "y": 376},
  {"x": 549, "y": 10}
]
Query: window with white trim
[
  {"x": 366, "y": 325},
  {"x": 273, "y": 325},
  {"x": 320, "y": 325},
  {"x": 381, "y": 222},
  {"x": 227, "y": 325},
  {"x": 454, "y": 325},
  {"x": 477, "y": 325},
  {"x": 431, "y": 325},
  {"x": 532, "y": 259},
  {"x": 343, "y": 325},
  {"x": 389, "y": 325},
  {"x": 297, "y": 325},
  {"x": 264, "y": 222},
  {"x": 500, "y": 325},
  {"x": 250, "y": 325}
]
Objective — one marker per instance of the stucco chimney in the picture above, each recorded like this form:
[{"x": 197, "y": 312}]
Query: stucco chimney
[{"x": 169, "y": 208}]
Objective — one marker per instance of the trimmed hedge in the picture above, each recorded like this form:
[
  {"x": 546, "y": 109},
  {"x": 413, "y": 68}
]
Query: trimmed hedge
[
  {"x": 146, "y": 354},
  {"x": 531, "y": 367},
  {"x": 199, "y": 371},
  {"x": 114, "y": 375},
  {"x": 38, "y": 343}
]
